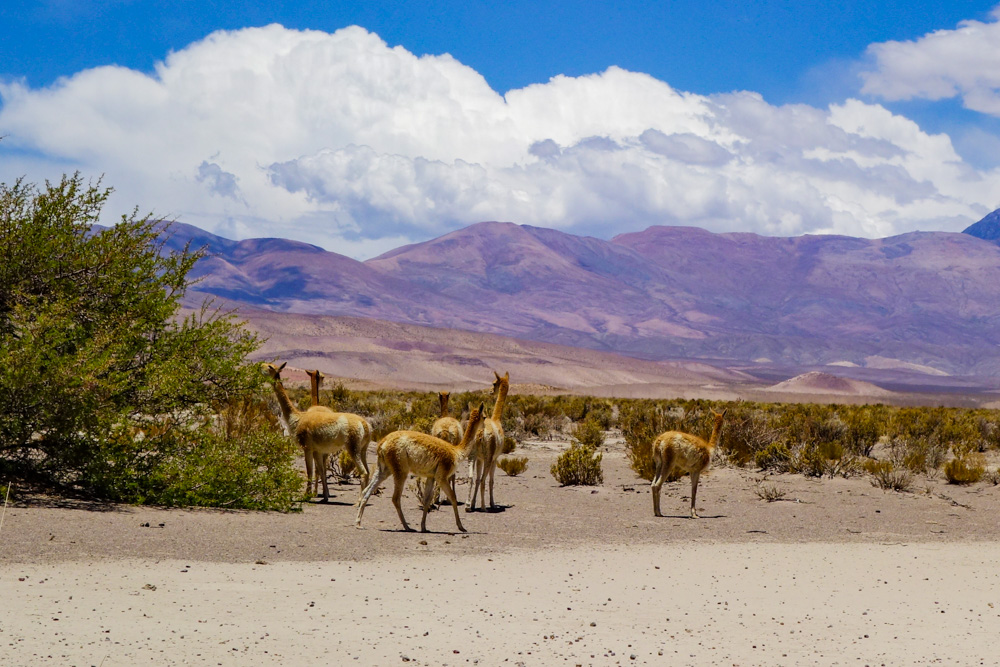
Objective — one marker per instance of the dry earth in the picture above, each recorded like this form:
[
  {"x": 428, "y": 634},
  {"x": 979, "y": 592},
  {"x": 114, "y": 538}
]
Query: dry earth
[{"x": 838, "y": 572}]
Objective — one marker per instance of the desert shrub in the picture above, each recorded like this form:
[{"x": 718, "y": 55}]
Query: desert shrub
[
  {"x": 509, "y": 444},
  {"x": 776, "y": 456},
  {"x": 578, "y": 466},
  {"x": 343, "y": 467},
  {"x": 919, "y": 455},
  {"x": 767, "y": 491},
  {"x": 108, "y": 391},
  {"x": 748, "y": 431},
  {"x": 863, "y": 428},
  {"x": 966, "y": 469},
  {"x": 589, "y": 433},
  {"x": 513, "y": 465},
  {"x": 886, "y": 476}
]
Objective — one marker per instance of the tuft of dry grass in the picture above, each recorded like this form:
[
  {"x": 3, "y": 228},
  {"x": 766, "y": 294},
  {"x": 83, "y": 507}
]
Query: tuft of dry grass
[
  {"x": 886, "y": 476},
  {"x": 513, "y": 465},
  {"x": 343, "y": 467},
  {"x": 769, "y": 492}
]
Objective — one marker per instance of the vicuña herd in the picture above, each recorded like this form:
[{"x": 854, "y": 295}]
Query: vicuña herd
[{"x": 434, "y": 458}]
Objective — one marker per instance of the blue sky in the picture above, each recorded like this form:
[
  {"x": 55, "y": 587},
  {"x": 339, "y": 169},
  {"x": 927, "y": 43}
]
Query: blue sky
[{"x": 775, "y": 117}]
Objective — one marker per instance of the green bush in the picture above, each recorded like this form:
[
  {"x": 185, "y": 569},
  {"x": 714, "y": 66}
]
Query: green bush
[
  {"x": 589, "y": 433},
  {"x": 108, "y": 391},
  {"x": 776, "y": 457},
  {"x": 578, "y": 466},
  {"x": 966, "y": 469}
]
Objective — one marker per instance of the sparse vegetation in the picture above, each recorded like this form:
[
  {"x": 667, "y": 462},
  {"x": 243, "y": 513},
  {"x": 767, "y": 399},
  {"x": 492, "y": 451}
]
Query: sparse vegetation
[
  {"x": 578, "y": 466},
  {"x": 513, "y": 465},
  {"x": 768, "y": 491},
  {"x": 965, "y": 469},
  {"x": 886, "y": 476}
]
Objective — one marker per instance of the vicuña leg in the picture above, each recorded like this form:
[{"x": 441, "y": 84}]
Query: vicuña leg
[
  {"x": 397, "y": 494},
  {"x": 694, "y": 492},
  {"x": 661, "y": 469},
  {"x": 380, "y": 476},
  {"x": 449, "y": 490}
]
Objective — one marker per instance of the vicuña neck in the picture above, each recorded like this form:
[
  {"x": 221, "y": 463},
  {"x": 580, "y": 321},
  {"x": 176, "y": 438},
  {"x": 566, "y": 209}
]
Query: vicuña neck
[
  {"x": 444, "y": 404},
  {"x": 716, "y": 431},
  {"x": 501, "y": 399},
  {"x": 468, "y": 438},
  {"x": 287, "y": 409}
]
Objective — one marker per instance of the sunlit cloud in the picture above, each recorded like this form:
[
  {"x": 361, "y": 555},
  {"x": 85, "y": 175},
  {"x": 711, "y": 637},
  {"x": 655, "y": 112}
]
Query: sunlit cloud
[
  {"x": 340, "y": 140},
  {"x": 963, "y": 63}
]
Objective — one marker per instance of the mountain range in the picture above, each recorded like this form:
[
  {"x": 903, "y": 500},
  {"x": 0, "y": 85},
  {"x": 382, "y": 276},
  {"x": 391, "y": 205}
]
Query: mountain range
[{"x": 925, "y": 302}]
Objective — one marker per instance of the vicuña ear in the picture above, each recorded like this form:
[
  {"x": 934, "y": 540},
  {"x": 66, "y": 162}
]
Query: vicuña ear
[
  {"x": 282, "y": 366},
  {"x": 497, "y": 374}
]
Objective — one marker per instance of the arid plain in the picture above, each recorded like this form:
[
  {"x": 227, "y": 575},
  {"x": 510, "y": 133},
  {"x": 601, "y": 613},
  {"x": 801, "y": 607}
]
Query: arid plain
[{"x": 837, "y": 572}]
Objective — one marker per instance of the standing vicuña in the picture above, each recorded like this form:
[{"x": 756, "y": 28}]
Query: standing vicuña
[
  {"x": 487, "y": 448},
  {"x": 448, "y": 429},
  {"x": 403, "y": 452},
  {"x": 321, "y": 432},
  {"x": 682, "y": 452}
]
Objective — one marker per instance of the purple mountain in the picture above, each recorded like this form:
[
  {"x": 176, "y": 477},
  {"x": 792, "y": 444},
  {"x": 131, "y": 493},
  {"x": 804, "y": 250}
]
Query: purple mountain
[{"x": 915, "y": 300}]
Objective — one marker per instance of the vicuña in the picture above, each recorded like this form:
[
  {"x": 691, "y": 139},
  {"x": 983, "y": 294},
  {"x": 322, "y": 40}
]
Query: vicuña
[
  {"x": 321, "y": 432},
  {"x": 682, "y": 452},
  {"x": 404, "y": 452}
]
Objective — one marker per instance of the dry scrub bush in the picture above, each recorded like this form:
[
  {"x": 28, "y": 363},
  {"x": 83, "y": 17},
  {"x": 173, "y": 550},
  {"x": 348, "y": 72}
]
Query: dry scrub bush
[
  {"x": 342, "y": 467},
  {"x": 578, "y": 466},
  {"x": 513, "y": 465},
  {"x": 768, "y": 492},
  {"x": 886, "y": 476},
  {"x": 589, "y": 433},
  {"x": 965, "y": 469}
]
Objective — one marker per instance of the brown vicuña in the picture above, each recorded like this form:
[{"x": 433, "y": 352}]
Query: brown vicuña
[
  {"x": 448, "y": 429},
  {"x": 402, "y": 453},
  {"x": 682, "y": 452},
  {"x": 487, "y": 448},
  {"x": 315, "y": 380},
  {"x": 322, "y": 432}
]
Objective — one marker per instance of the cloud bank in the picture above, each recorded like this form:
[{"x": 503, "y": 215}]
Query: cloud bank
[
  {"x": 963, "y": 63},
  {"x": 340, "y": 140}
]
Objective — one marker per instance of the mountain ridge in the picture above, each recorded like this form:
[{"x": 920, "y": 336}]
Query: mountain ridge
[{"x": 925, "y": 299}]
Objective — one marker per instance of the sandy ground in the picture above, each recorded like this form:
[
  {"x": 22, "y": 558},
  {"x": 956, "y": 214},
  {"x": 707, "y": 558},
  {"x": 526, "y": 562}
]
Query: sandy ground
[{"x": 838, "y": 572}]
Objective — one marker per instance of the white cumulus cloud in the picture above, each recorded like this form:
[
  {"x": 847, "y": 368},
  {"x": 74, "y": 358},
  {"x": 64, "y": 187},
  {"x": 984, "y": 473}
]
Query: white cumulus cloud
[
  {"x": 340, "y": 140},
  {"x": 964, "y": 62}
]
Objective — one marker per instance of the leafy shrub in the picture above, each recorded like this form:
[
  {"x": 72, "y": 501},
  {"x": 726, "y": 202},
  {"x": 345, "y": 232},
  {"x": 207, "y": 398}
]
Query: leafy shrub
[
  {"x": 513, "y": 465},
  {"x": 886, "y": 476},
  {"x": 776, "y": 457},
  {"x": 966, "y": 469},
  {"x": 108, "y": 391},
  {"x": 578, "y": 466},
  {"x": 589, "y": 433}
]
